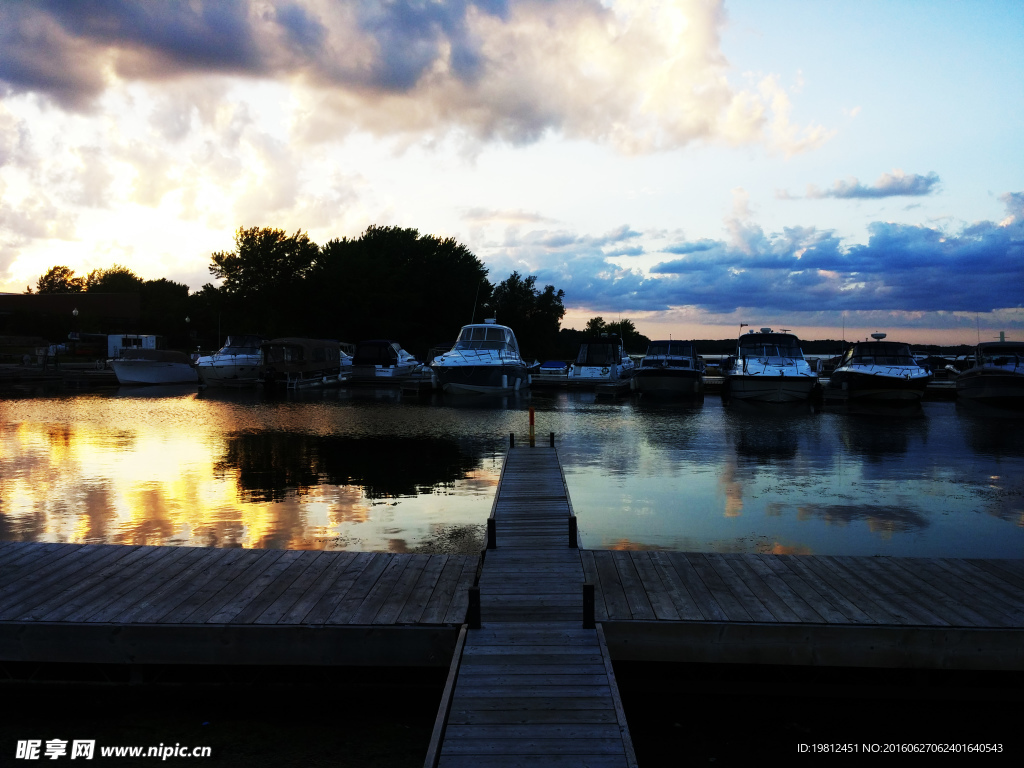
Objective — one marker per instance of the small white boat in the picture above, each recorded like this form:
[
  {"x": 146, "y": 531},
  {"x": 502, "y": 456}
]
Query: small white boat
[
  {"x": 602, "y": 360},
  {"x": 670, "y": 368},
  {"x": 997, "y": 375},
  {"x": 484, "y": 360},
  {"x": 296, "y": 363},
  {"x": 768, "y": 367},
  {"x": 236, "y": 364},
  {"x": 153, "y": 366},
  {"x": 381, "y": 361},
  {"x": 880, "y": 371}
]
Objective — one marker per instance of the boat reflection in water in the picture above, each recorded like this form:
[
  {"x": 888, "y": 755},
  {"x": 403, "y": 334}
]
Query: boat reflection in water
[{"x": 352, "y": 469}]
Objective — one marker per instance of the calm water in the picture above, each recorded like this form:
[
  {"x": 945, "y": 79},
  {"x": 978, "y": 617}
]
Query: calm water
[{"x": 370, "y": 470}]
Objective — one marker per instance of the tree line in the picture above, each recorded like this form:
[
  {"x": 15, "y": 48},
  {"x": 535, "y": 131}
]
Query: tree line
[{"x": 389, "y": 282}]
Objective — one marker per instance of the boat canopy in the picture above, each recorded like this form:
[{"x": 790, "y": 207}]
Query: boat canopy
[
  {"x": 770, "y": 345},
  {"x": 999, "y": 352},
  {"x": 670, "y": 349},
  {"x": 600, "y": 352},
  {"x": 377, "y": 352},
  {"x": 879, "y": 353},
  {"x": 487, "y": 336},
  {"x": 242, "y": 345},
  {"x": 300, "y": 351}
]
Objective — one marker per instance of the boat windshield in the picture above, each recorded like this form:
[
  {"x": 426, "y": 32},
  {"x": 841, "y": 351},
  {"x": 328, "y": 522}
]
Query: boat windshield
[
  {"x": 882, "y": 353},
  {"x": 380, "y": 353},
  {"x": 770, "y": 345},
  {"x": 1001, "y": 355},
  {"x": 482, "y": 337},
  {"x": 599, "y": 353},
  {"x": 674, "y": 348},
  {"x": 242, "y": 345}
]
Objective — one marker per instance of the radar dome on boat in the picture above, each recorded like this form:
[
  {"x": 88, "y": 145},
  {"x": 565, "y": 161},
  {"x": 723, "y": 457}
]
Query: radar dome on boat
[
  {"x": 765, "y": 330},
  {"x": 877, "y": 336}
]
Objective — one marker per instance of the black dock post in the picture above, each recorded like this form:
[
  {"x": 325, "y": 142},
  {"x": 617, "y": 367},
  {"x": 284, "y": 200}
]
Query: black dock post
[
  {"x": 511, "y": 439},
  {"x": 552, "y": 439},
  {"x": 588, "y": 606},
  {"x": 473, "y": 611},
  {"x": 573, "y": 537}
]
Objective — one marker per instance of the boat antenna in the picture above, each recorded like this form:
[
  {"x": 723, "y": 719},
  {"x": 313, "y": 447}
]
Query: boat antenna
[{"x": 472, "y": 318}]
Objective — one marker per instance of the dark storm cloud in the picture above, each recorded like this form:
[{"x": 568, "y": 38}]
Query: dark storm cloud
[{"x": 901, "y": 268}]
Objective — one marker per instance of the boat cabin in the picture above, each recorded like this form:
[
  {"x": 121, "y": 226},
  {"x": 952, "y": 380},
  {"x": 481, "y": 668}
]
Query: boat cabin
[
  {"x": 601, "y": 352},
  {"x": 878, "y": 353},
  {"x": 301, "y": 354},
  {"x": 383, "y": 352},
  {"x": 767, "y": 343},
  {"x": 670, "y": 354},
  {"x": 488, "y": 335},
  {"x": 999, "y": 353}
]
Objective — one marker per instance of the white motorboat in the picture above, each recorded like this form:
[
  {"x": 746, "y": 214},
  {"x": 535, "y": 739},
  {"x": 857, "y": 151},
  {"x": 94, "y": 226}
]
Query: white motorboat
[
  {"x": 997, "y": 375},
  {"x": 153, "y": 366},
  {"x": 670, "y": 368},
  {"x": 381, "y": 361},
  {"x": 484, "y": 360},
  {"x": 296, "y": 363},
  {"x": 602, "y": 360},
  {"x": 236, "y": 364},
  {"x": 880, "y": 371},
  {"x": 768, "y": 367}
]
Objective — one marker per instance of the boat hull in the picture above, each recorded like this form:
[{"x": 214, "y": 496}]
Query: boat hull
[
  {"x": 132, "y": 372},
  {"x": 769, "y": 389},
  {"x": 230, "y": 373},
  {"x": 668, "y": 382},
  {"x": 879, "y": 387},
  {"x": 991, "y": 386},
  {"x": 482, "y": 379},
  {"x": 589, "y": 376}
]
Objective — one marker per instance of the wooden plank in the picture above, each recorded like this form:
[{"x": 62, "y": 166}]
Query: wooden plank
[
  {"x": 322, "y": 596},
  {"x": 609, "y": 588},
  {"x": 279, "y": 580},
  {"x": 143, "y": 606},
  {"x": 814, "y": 584},
  {"x": 459, "y": 604},
  {"x": 67, "y": 571},
  {"x": 533, "y": 716},
  {"x": 802, "y": 608},
  {"x": 180, "y": 595},
  {"x": 742, "y": 591},
  {"x": 360, "y": 575},
  {"x": 93, "y": 584},
  {"x": 422, "y": 589},
  {"x": 706, "y": 601},
  {"x": 990, "y": 577},
  {"x": 844, "y": 596},
  {"x": 130, "y": 582},
  {"x": 758, "y": 587},
  {"x": 441, "y": 598},
  {"x": 531, "y": 761},
  {"x": 936, "y": 591},
  {"x": 636, "y": 596},
  {"x": 892, "y": 589},
  {"x": 675, "y": 589},
  {"x": 218, "y": 588},
  {"x": 51, "y": 569}
]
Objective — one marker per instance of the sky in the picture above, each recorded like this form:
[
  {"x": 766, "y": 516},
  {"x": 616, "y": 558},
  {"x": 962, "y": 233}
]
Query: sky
[{"x": 834, "y": 168}]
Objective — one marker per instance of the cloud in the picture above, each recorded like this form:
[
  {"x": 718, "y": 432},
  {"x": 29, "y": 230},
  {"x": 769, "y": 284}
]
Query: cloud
[
  {"x": 640, "y": 77},
  {"x": 902, "y": 268},
  {"x": 895, "y": 184}
]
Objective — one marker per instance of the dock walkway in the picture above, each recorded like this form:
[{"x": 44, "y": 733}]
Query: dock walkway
[
  {"x": 120, "y": 604},
  {"x": 532, "y": 686}
]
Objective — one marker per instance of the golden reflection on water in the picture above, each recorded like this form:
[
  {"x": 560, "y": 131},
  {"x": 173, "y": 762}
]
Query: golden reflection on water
[{"x": 89, "y": 477}]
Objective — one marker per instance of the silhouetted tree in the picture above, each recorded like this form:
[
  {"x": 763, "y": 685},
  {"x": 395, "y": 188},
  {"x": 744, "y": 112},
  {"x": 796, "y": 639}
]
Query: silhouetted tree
[
  {"x": 533, "y": 314},
  {"x": 394, "y": 283},
  {"x": 60, "y": 280},
  {"x": 115, "y": 279}
]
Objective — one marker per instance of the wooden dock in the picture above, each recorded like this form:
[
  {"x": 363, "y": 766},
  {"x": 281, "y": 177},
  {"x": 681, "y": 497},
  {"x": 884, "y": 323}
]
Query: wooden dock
[
  {"x": 187, "y": 605},
  {"x": 531, "y": 685},
  {"x": 935, "y": 613}
]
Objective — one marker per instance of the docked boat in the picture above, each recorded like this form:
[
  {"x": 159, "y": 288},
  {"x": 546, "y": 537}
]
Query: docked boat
[
  {"x": 670, "y": 368},
  {"x": 296, "y": 363},
  {"x": 484, "y": 360},
  {"x": 236, "y": 364},
  {"x": 768, "y": 367},
  {"x": 550, "y": 373},
  {"x": 602, "y": 360},
  {"x": 153, "y": 366},
  {"x": 382, "y": 361},
  {"x": 997, "y": 375},
  {"x": 881, "y": 371}
]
